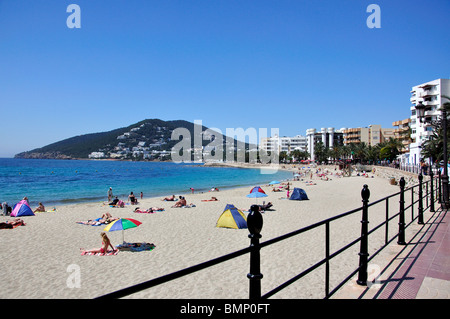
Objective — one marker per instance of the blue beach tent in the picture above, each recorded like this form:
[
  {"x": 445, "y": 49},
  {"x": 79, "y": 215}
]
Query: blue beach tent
[
  {"x": 22, "y": 209},
  {"x": 298, "y": 194},
  {"x": 232, "y": 218}
]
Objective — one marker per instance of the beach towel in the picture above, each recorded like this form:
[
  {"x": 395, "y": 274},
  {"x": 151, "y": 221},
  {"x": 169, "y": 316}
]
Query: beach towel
[
  {"x": 108, "y": 253},
  {"x": 136, "y": 246},
  {"x": 47, "y": 211}
]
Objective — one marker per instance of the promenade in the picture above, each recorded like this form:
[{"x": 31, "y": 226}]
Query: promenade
[{"x": 418, "y": 270}]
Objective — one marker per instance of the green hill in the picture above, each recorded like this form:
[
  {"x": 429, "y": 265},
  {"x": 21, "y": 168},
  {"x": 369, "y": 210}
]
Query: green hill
[{"x": 139, "y": 140}]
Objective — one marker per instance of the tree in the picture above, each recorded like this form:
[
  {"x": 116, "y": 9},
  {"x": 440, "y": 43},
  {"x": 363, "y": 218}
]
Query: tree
[
  {"x": 321, "y": 152},
  {"x": 299, "y": 155}
]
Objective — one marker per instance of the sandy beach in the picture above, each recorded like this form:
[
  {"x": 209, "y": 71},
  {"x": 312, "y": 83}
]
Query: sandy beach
[{"x": 42, "y": 258}]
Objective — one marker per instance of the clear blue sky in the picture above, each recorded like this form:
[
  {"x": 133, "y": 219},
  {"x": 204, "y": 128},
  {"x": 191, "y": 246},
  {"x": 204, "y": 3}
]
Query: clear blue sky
[{"x": 291, "y": 65}]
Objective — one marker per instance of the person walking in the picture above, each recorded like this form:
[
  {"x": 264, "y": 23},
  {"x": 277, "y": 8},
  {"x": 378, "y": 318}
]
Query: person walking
[{"x": 110, "y": 194}]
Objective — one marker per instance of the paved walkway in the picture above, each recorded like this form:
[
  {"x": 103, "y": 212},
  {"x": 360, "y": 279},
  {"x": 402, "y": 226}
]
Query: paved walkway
[
  {"x": 425, "y": 272},
  {"x": 419, "y": 270}
]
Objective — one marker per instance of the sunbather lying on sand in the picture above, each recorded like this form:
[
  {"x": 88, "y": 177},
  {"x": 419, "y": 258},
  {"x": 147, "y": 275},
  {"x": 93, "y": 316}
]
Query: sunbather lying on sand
[
  {"x": 12, "y": 223},
  {"x": 150, "y": 210},
  {"x": 105, "y": 219},
  {"x": 265, "y": 206},
  {"x": 170, "y": 199},
  {"x": 213, "y": 199}
]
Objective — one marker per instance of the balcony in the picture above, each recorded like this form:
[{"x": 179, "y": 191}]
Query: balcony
[
  {"x": 430, "y": 103},
  {"x": 430, "y": 93},
  {"x": 432, "y": 113}
]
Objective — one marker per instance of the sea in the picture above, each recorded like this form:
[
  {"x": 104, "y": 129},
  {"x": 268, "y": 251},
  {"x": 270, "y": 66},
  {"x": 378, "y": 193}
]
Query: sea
[{"x": 62, "y": 182}]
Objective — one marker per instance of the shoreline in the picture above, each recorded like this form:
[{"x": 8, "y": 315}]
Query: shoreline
[
  {"x": 199, "y": 179},
  {"x": 48, "y": 247}
]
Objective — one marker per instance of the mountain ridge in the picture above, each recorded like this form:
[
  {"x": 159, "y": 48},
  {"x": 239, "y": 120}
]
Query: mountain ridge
[
  {"x": 148, "y": 139},
  {"x": 145, "y": 135}
]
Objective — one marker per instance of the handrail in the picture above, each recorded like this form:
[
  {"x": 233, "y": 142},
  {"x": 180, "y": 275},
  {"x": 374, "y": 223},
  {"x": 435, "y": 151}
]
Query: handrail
[{"x": 255, "y": 224}]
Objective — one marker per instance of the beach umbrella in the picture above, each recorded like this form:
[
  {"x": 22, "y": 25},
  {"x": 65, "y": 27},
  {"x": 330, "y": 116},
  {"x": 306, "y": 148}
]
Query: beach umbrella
[
  {"x": 122, "y": 224},
  {"x": 256, "y": 192}
]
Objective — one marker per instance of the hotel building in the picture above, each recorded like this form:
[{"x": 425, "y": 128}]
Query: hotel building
[
  {"x": 430, "y": 93},
  {"x": 371, "y": 135},
  {"x": 401, "y": 133},
  {"x": 284, "y": 144},
  {"x": 328, "y": 136}
]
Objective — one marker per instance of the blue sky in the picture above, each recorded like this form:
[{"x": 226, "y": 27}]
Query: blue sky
[{"x": 290, "y": 65}]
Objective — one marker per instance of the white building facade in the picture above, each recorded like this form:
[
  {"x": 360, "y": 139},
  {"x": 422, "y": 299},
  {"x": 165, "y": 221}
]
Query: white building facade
[
  {"x": 284, "y": 143},
  {"x": 328, "y": 136},
  {"x": 430, "y": 93}
]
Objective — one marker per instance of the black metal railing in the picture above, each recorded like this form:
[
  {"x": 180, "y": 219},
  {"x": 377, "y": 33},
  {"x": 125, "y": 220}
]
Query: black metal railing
[{"x": 255, "y": 223}]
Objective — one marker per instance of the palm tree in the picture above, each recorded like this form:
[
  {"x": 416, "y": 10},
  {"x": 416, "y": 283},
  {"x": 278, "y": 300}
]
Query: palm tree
[
  {"x": 361, "y": 151},
  {"x": 321, "y": 152},
  {"x": 389, "y": 149},
  {"x": 373, "y": 154}
]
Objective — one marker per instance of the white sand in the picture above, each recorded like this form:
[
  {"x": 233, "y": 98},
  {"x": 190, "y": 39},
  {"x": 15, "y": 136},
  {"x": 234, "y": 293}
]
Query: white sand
[{"x": 38, "y": 260}]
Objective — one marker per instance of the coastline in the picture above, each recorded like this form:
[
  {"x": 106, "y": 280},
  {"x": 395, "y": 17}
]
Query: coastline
[
  {"x": 59, "y": 182},
  {"x": 47, "y": 248}
]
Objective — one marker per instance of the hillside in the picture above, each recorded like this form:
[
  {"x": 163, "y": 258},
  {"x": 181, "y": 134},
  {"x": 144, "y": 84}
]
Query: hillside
[{"x": 148, "y": 139}]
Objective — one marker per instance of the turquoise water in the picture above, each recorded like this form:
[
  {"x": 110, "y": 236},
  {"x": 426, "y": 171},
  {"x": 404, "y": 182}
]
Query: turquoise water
[{"x": 71, "y": 181}]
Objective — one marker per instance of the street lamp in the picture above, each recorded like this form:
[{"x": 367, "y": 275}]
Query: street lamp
[{"x": 420, "y": 108}]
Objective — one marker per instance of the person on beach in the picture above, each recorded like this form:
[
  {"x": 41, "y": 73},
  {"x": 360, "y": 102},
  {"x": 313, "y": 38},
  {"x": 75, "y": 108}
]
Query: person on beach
[
  {"x": 12, "y": 223},
  {"x": 181, "y": 202},
  {"x": 170, "y": 199},
  {"x": 132, "y": 199},
  {"x": 213, "y": 199},
  {"x": 110, "y": 194},
  {"x": 107, "y": 218},
  {"x": 40, "y": 208},
  {"x": 114, "y": 202},
  {"x": 104, "y": 248},
  {"x": 150, "y": 210},
  {"x": 142, "y": 195}
]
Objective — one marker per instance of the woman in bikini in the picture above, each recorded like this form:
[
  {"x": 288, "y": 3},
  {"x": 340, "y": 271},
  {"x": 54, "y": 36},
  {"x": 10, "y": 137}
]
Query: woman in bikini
[
  {"x": 132, "y": 199},
  {"x": 105, "y": 244}
]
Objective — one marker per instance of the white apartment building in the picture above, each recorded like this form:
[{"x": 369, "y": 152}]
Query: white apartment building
[
  {"x": 329, "y": 137},
  {"x": 284, "y": 144},
  {"x": 430, "y": 93}
]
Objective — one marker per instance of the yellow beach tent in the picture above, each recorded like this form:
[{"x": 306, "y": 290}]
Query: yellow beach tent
[{"x": 232, "y": 218}]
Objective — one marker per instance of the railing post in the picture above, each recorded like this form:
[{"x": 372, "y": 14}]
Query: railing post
[
  {"x": 432, "y": 191},
  {"x": 364, "y": 247},
  {"x": 420, "y": 217},
  {"x": 254, "y": 224},
  {"x": 440, "y": 189},
  {"x": 401, "y": 222}
]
